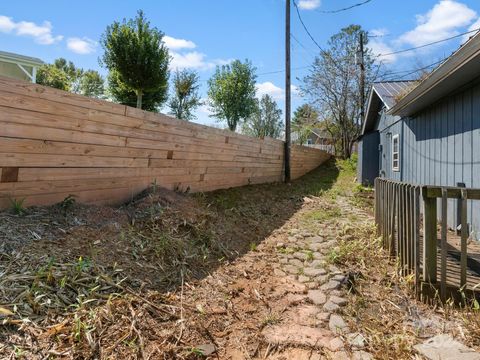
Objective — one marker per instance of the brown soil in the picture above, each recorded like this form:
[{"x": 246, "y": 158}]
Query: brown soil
[{"x": 177, "y": 276}]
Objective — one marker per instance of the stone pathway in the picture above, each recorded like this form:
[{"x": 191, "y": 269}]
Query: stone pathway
[{"x": 314, "y": 321}]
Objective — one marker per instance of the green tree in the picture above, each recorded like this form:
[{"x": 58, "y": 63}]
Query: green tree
[
  {"x": 122, "y": 94},
  {"x": 333, "y": 86},
  {"x": 92, "y": 84},
  {"x": 50, "y": 75},
  {"x": 231, "y": 92},
  {"x": 185, "y": 97},
  {"x": 137, "y": 53},
  {"x": 266, "y": 120},
  {"x": 304, "y": 118},
  {"x": 73, "y": 73}
]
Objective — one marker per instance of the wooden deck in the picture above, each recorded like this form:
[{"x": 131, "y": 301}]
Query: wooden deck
[{"x": 453, "y": 261}]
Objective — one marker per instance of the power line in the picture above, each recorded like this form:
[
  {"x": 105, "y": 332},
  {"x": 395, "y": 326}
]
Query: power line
[
  {"x": 428, "y": 44},
  {"x": 344, "y": 9},
  {"x": 305, "y": 27},
  {"x": 410, "y": 71}
]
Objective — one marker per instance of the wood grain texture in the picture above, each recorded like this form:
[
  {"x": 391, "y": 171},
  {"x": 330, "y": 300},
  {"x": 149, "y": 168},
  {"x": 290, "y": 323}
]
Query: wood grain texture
[{"x": 53, "y": 144}]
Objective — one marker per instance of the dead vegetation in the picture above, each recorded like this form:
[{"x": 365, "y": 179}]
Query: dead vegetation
[
  {"x": 85, "y": 282},
  {"x": 383, "y": 306}
]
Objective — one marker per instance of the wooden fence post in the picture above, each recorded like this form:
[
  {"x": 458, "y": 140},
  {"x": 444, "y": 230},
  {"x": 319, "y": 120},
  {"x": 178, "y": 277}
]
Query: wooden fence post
[
  {"x": 429, "y": 238},
  {"x": 416, "y": 239},
  {"x": 464, "y": 238},
  {"x": 443, "y": 264}
]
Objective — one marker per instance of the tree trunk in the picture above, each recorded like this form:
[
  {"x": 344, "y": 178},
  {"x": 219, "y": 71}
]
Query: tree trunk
[{"x": 139, "y": 99}]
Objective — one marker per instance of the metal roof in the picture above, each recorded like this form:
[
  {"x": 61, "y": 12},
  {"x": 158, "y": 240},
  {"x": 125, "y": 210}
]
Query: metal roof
[
  {"x": 27, "y": 60},
  {"x": 459, "y": 69},
  {"x": 385, "y": 93},
  {"x": 389, "y": 91}
]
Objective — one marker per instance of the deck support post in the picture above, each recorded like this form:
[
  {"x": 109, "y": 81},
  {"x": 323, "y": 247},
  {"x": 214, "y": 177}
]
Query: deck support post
[{"x": 430, "y": 238}]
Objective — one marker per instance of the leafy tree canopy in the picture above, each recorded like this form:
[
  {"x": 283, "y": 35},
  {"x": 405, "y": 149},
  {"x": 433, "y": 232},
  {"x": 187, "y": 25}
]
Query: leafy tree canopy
[
  {"x": 185, "y": 97},
  {"x": 266, "y": 120},
  {"x": 50, "y": 75},
  {"x": 333, "y": 86},
  {"x": 122, "y": 94},
  {"x": 232, "y": 92},
  {"x": 304, "y": 118},
  {"x": 92, "y": 84},
  {"x": 136, "y": 52}
]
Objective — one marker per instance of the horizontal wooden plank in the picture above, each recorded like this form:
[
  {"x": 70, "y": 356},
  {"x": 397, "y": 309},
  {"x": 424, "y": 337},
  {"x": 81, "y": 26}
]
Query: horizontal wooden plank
[{"x": 49, "y": 160}]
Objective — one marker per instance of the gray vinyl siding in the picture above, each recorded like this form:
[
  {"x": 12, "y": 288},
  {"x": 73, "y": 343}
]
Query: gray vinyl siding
[{"x": 440, "y": 146}]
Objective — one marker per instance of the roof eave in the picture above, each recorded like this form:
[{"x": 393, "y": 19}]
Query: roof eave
[
  {"x": 432, "y": 89},
  {"x": 24, "y": 60}
]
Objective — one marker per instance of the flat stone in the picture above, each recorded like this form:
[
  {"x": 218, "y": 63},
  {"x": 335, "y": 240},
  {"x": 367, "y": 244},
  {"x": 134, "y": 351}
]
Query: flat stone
[
  {"x": 305, "y": 315},
  {"x": 337, "y": 325},
  {"x": 293, "y": 299},
  {"x": 361, "y": 355},
  {"x": 309, "y": 271},
  {"x": 318, "y": 297},
  {"x": 283, "y": 260},
  {"x": 333, "y": 269},
  {"x": 298, "y": 335},
  {"x": 278, "y": 272},
  {"x": 323, "y": 316},
  {"x": 330, "y": 306},
  {"x": 207, "y": 349},
  {"x": 336, "y": 344},
  {"x": 316, "y": 239},
  {"x": 289, "y": 285},
  {"x": 291, "y": 269},
  {"x": 304, "y": 279},
  {"x": 444, "y": 347},
  {"x": 356, "y": 340},
  {"x": 317, "y": 263},
  {"x": 290, "y": 353},
  {"x": 296, "y": 262},
  {"x": 338, "y": 300},
  {"x": 317, "y": 255},
  {"x": 300, "y": 256},
  {"x": 340, "y": 278},
  {"x": 331, "y": 285}
]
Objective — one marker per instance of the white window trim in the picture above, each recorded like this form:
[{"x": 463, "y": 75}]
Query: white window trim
[{"x": 396, "y": 137}]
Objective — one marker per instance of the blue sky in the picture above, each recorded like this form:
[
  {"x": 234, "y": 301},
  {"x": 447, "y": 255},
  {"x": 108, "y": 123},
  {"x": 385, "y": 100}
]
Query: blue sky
[{"x": 202, "y": 34}]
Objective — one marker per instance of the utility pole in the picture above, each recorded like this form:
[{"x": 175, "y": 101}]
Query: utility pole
[
  {"x": 287, "y": 91},
  {"x": 362, "y": 80}
]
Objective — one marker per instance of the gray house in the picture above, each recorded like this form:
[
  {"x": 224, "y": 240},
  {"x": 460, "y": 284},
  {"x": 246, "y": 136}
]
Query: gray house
[{"x": 428, "y": 132}]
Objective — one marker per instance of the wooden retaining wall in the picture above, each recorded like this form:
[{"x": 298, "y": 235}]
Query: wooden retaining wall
[{"x": 53, "y": 144}]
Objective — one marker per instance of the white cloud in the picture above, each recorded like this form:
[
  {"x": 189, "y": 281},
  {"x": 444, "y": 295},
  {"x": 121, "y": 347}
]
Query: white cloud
[
  {"x": 379, "y": 46},
  {"x": 81, "y": 45},
  {"x": 309, "y": 4},
  {"x": 6, "y": 24},
  {"x": 177, "y": 44},
  {"x": 474, "y": 27},
  {"x": 194, "y": 60},
  {"x": 442, "y": 21},
  {"x": 277, "y": 93},
  {"x": 42, "y": 34}
]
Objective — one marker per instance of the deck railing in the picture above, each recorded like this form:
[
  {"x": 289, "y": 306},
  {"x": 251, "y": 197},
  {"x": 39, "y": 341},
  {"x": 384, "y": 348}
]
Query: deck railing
[{"x": 398, "y": 219}]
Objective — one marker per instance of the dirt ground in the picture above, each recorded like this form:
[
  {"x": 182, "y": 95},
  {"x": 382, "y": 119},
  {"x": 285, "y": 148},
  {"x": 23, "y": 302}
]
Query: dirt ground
[{"x": 270, "y": 271}]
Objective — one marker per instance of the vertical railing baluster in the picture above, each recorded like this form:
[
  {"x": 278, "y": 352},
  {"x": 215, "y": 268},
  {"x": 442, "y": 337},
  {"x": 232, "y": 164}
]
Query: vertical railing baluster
[
  {"x": 416, "y": 239},
  {"x": 464, "y": 238},
  {"x": 429, "y": 237},
  {"x": 443, "y": 263}
]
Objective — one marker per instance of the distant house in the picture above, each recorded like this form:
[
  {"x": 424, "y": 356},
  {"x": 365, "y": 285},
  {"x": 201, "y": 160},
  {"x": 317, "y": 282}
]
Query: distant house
[
  {"x": 19, "y": 66},
  {"x": 317, "y": 138},
  {"x": 428, "y": 133}
]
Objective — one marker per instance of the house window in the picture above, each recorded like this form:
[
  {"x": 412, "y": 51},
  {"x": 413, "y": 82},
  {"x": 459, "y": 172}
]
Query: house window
[{"x": 395, "y": 153}]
